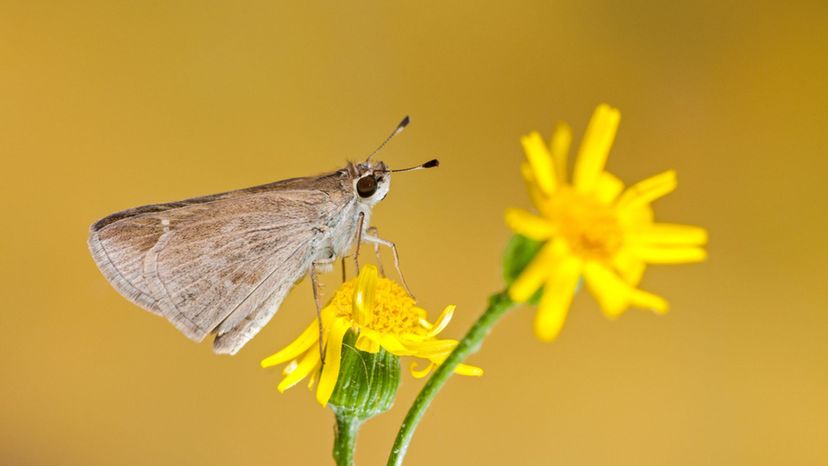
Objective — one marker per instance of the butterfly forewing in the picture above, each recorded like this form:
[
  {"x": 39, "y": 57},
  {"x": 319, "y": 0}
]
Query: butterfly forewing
[{"x": 220, "y": 263}]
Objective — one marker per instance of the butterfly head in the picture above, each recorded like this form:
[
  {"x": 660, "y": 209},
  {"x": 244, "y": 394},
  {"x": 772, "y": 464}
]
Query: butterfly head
[{"x": 372, "y": 180}]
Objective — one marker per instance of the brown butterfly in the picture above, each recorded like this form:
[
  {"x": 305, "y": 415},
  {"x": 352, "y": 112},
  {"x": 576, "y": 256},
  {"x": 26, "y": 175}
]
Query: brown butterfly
[{"x": 224, "y": 263}]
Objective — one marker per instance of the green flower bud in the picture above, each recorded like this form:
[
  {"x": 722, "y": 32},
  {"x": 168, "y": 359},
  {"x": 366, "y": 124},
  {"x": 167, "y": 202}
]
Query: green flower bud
[
  {"x": 519, "y": 253},
  {"x": 367, "y": 382}
]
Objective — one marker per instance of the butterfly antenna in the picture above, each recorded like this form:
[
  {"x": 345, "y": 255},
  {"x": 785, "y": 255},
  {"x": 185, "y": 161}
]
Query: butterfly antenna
[
  {"x": 430, "y": 164},
  {"x": 405, "y": 121}
]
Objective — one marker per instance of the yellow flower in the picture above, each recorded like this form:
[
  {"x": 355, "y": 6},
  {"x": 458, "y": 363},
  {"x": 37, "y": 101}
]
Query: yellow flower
[
  {"x": 383, "y": 315},
  {"x": 593, "y": 228}
]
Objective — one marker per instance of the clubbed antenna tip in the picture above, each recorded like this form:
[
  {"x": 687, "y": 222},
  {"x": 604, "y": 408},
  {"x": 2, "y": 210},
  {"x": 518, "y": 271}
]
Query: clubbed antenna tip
[{"x": 405, "y": 121}]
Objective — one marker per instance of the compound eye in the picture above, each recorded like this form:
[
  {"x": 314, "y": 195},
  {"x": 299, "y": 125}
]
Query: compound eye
[{"x": 366, "y": 186}]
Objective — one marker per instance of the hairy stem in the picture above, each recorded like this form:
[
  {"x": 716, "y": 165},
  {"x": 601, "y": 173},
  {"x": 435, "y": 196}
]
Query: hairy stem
[
  {"x": 345, "y": 434},
  {"x": 498, "y": 305}
]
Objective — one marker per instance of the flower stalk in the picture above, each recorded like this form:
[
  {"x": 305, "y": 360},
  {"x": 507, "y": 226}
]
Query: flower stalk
[
  {"x": 345, "y": 434},
  {"x": 366, "y": 386},
  {"x": 588, "y": 229},
  {"x": 499, "y": 304},
  {"x": 369, "y": 323}
]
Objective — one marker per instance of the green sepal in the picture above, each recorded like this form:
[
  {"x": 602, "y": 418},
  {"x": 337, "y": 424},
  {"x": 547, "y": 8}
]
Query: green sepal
[
  {"x": 367, "y": 383},
  {"x": 520, "y": 251}
]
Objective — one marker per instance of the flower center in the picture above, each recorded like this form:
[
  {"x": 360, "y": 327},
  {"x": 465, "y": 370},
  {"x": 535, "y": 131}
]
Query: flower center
[
  {"x": 392, "y": 310},
  {"x": 590, "y": 228}
]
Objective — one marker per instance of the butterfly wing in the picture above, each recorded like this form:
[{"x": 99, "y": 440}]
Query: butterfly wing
[{"x": 220, "y": 263}]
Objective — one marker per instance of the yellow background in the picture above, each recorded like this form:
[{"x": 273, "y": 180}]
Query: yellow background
[{"x": 108, "y": 105}]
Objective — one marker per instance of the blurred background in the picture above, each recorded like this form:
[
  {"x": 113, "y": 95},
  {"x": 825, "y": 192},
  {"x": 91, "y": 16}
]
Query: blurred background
[{"x": 109, "y": 105}]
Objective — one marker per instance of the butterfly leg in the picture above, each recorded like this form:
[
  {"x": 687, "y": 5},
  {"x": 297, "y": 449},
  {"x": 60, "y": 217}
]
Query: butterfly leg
[
  {"x": 314, "y": 271},
  {"x": 344, "y": 275},
  {"x": 359, "y": 238},
  {"x": 379, "y": 241},
  {"x": 373, "y": 231}
]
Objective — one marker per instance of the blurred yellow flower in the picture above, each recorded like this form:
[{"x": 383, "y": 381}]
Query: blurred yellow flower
[
  {"x": 383, "y": 315},
  {"x": 593, "y": 227}
]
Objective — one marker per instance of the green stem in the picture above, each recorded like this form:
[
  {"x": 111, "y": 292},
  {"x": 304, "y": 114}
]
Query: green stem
[
  {"x": 498, "y": 305},
  {"x": 345, "y": 434}
]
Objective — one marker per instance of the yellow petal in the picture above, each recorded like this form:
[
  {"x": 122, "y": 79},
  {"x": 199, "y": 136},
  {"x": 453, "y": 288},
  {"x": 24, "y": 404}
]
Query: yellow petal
[
  {"x": 333, "y": 353},
  {"x": 561, "y": 140},
  {"x": 611, "y": 292},
  {"x": 367, "y": 344},
  {"x": 536, "y": 273},
  {"x": 431, "y": 348},
  {"x": 420, "y": 373},
  {"x": 308, "y": 364},
  {"x": 647, "y": 191},
  {"x": 608, "y": 188},
  {"x": 667, "y": 234},
  {"x": 462, "y": 369},
  {"x": 556, "y": 299},
  {"x": 534, "y": 191},
  {"x": 643, "y": 299},
  {"x": 465, "y": 369},
  {"x": 526, "y": 172},
  {"x": 312, "y": 379},
  {"x": 615, "y": 296},
  {"x": 442, "y": 321},
  {"x": 629, "y": 267},
  {"x": 636, "y": 218},
  {"x": 541, "y": 161},
  {"x": 364, "y": 294},
  {"x": 595, "y": 147},
  {"x": 393, "y": 345},
  {"x": 529, "y": 225},
  {"x": 668, "y": 255},
  {"x": 309, "y": 337},
  {"x": 290, "y": 367}
]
